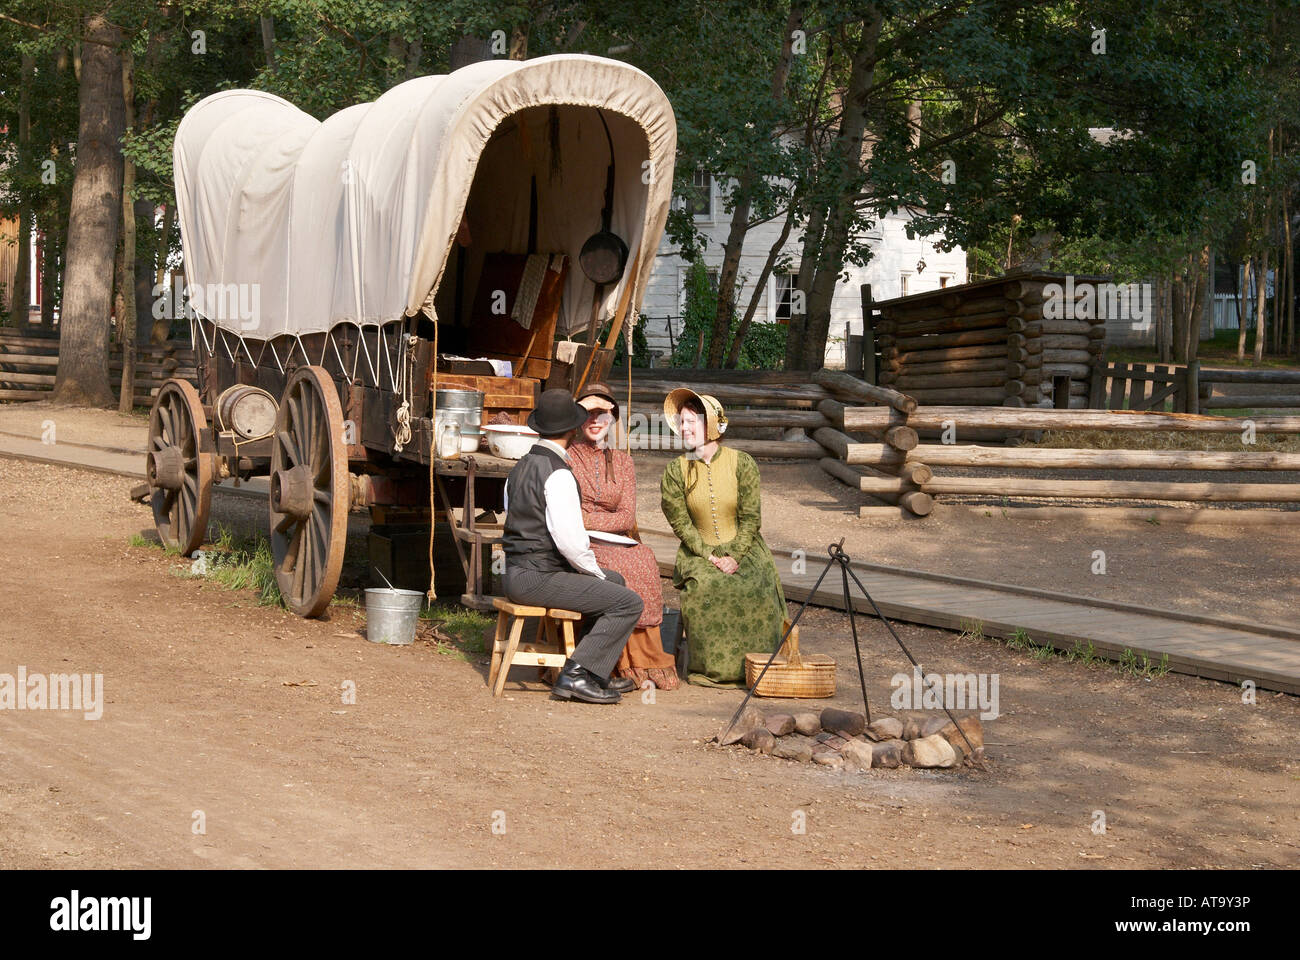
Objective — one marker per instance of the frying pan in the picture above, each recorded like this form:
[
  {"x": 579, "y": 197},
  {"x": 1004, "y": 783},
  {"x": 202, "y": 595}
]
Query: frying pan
[{"x": 604, "y": 255}]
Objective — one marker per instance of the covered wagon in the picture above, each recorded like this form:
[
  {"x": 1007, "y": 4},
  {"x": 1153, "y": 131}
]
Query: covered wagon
[{"x": 476, "y": 229}]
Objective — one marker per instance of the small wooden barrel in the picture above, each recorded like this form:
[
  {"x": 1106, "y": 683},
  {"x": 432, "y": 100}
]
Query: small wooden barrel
[{"x": 791, "y": 674}]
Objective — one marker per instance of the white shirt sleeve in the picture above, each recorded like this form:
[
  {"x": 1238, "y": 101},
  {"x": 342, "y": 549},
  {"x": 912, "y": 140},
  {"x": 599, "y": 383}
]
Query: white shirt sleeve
[{"x": 564, "y": 521}]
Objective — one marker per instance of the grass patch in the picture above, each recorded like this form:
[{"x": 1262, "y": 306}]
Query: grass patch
[
  {"x": 1133, "y": 664},
  {"x": 240, "y": 563},
  {"x": 972, "y": 630},
  {"x": 457, "y": 632},
  {"x": 1141, "y": 665},
  {"x": 150, "y": 543}
]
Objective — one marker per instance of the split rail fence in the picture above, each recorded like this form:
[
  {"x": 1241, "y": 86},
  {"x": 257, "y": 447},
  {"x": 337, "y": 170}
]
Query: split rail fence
[
  {"x": 29, "y": 362},
  {"x": 1191, "y": 388}
]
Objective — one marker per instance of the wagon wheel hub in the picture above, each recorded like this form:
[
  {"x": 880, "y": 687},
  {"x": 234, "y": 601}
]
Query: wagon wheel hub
[
  {"x": 168, "y": 467},
  {"x": 292, "y": 491}
]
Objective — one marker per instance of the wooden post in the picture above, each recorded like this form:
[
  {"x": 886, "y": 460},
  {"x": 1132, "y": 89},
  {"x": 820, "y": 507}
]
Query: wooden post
[
  {"x": 1191, "y": 399},
  {"x": 868, "y": 336},
  {"x": 1097, "y": 386}
]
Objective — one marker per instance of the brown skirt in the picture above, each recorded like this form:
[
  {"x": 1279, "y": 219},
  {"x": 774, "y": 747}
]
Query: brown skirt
[{"x": 644, "y": 659}]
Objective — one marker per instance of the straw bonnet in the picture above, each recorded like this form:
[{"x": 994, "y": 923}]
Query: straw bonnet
[{"x": 715, "y": 420}]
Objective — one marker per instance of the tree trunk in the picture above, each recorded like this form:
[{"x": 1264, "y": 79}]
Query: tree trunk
[
  {"x": 813, "y": 232},
  {"x": 732, "y": 249},
  {"x": 848, "y": 154},
  {"x": 127, "y": 320},
  {"x": 93, "y": 220},
  {"x": 414, "y": 50},
  {"x": 1171, "y": 286},
  {"x": 733, "y": 356},
  {"x": 1278, "y": 282},
  {"x": 1242, "y": 289},
  {"x": 469, "y": 49},
  {"x": 1290, "y": 275},
  {"x": 812, "y": 240},
  {"x": 21, "y": 294},
  {"x": 1261, "y": 313},
  {"x": 268, "y": 41},
  {"x": 144, "y": 270},
  {"x": 51, "y": 263},
  {"x": 519, "y": 43},
  {"x": 162, "y": 326},
  {"x": 1185, "y": 345}
]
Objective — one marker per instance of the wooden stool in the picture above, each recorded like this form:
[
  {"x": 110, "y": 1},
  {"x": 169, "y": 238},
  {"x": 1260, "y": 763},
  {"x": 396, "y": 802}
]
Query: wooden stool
[{"x": 550, "y": 651}]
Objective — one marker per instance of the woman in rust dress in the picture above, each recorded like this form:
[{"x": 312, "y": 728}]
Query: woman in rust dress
[{"x": 607, "y": 486}]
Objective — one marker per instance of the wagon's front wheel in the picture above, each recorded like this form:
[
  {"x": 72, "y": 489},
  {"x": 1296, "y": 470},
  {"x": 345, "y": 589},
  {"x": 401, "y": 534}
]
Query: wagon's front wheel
[
  {"x": 309, "y": 492},
  {"x": 180, "y": 474}
]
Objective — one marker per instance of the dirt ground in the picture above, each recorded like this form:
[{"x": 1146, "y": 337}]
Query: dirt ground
[{"x": 219, "y": 707}]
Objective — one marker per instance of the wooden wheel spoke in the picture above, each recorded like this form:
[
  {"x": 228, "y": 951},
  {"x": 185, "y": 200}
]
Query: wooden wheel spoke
[
  {"x": 323, "y": 442},
  {"x": 178, "y": 524},
  {"x": 320, "y": 533},
  {"x": 169, "y": 429},
  {"x": 302, "y": 422},
  {"x": 290, "y": 448},
  {"x": 303, "y": 540},
  {"x": 322, "y": 496},
  {"x": 284, "y": 523}
]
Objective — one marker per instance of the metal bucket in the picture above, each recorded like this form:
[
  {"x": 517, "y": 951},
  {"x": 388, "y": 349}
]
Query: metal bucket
[
  {"x": 392, "y": 615},
  {"x": 463, "y": 406}
]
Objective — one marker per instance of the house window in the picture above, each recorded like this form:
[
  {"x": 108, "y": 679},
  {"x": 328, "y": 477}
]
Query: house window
[
  {"x": 902, "y": 284},
  {"x": 943, "y": 279},
  {"x": 784, "y": 293},
  {"x": 700, "y": 198}
]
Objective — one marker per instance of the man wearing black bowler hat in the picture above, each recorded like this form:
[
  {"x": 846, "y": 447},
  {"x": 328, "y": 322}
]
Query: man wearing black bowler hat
[{"x": 549, "y": 562}]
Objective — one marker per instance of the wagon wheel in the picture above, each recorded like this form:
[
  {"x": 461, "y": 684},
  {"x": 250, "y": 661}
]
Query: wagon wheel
[
  {"x": 309, "y": 492},
  {"x": 180, "y": 474}
]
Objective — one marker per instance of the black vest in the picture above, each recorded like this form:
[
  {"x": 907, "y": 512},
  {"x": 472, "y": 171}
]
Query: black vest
[{"x": 525, "y": 539}]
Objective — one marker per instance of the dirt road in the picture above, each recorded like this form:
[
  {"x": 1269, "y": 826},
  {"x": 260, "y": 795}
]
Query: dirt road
[{"x": 200, "y": 728}]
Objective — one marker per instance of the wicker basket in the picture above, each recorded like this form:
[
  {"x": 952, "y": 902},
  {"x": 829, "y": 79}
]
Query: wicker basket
[{"x": 792, "y": 675}]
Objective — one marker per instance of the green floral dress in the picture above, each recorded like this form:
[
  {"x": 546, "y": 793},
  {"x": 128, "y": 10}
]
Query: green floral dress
[{"x": 715, "y": 510}]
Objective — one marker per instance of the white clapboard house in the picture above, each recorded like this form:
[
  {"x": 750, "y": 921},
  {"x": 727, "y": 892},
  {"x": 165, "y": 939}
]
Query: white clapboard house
[{"x": 898, "y": 266}]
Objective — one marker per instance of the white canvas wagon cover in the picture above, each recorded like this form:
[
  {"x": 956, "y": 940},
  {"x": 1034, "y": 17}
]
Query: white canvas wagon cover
[{"x": 352, "y": 219}]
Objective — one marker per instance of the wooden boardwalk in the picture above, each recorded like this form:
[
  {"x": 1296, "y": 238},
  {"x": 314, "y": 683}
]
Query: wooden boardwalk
[{"x": 1220, "y": 649}]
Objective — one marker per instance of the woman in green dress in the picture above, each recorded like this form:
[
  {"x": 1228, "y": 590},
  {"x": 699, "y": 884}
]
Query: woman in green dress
[{"x": 731, "y": 597}]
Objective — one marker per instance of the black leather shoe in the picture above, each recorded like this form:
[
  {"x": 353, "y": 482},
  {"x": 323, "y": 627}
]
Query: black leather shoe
[
  {"x": 577, "y": 683},
  {"x": 620, "y": 684}
]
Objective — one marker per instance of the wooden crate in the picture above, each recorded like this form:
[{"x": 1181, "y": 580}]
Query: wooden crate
[{"x": 513, "y": 396}]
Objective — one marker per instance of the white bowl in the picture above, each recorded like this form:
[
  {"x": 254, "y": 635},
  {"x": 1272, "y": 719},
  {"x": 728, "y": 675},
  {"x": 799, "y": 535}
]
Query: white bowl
[
  {"x": 509, "y": 441},
  {"x": 469, "y": 442}
]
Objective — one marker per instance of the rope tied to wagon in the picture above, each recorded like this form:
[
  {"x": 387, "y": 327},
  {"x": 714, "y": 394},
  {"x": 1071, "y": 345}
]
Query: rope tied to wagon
[{"x": 402, "y": 435}]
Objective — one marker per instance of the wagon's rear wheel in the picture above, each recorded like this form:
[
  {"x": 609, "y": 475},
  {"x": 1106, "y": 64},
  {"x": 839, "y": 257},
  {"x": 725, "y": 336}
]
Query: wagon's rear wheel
[
  {"x": 180, "y": 474},
  {"x": 309, "y": 492}
]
